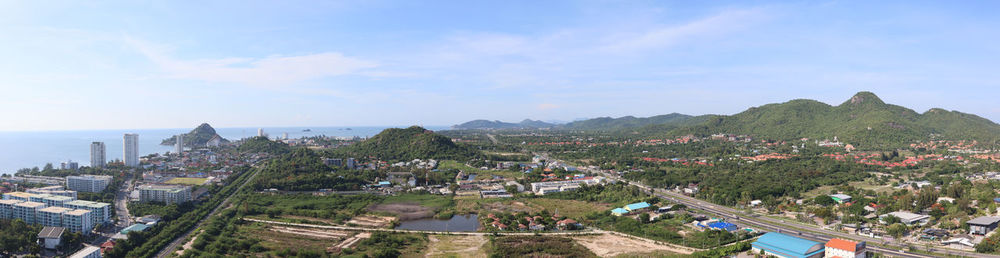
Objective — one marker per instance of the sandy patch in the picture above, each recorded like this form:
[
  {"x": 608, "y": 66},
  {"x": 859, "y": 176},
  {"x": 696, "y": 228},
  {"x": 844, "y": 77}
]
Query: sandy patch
[
  {"x": 372, "y": 221},
  {"x": 608, "y": 245}
]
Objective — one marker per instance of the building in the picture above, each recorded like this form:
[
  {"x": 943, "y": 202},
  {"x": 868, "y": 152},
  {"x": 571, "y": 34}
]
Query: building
[
  {"x": 637, "y": 207},
  {"x": 907, "y": 218},
  {"x": 982, "y": 225},
  {"x": 98, "y": 155},
  {"x": 53, "y": 190},
  {"x": 542, "y": 188},
  {"x": 722, "y": 225},
  {"x": 179, "y": 145},
  {"x": 26, "y": 211},
  {"x": 100, "y": 212},
  {"x": 51, "y": 200},
  {"x": 781, "y": 245},
  {"x": 351, "y": 163},
  {"x": 7, "y": 208},
  {"x": 845, "y": 249},
  {"x": 20, "y": 196},
  {"x": 164, "y": 193},
  {"x": 495, "y": 194},
  {"x": 87, "y": 252},
  {"x": 51, "y": 216},
  {"x": 841, "y": 198},
  {"x": 260, "y": 132},
  {"x": 130, "y": 149},
  {"x": 333, "y": 162},
  {"x": 619, "y": 212},
  {"x": 214, "y": 142},
  {"x": 88, "y": 183},
  {"x": 136, "y": 228},
  {"x": 78, "y": 221},
  {"x": 69, "y": 165},
  {"x": 50, "y": 237}
]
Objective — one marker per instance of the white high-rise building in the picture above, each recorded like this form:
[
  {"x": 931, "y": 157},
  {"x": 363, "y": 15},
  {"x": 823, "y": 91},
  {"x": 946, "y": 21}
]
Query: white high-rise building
[
  {"x": 260, "y": 132},
  {"x": 179, "y": 146},
  {"x": 130, "y": 150},
  {"x": 97, "y": 155}
]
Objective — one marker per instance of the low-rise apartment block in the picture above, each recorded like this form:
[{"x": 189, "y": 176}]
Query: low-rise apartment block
[
  {"x": 165, "y": 193},
  {"x": 88, "y": 183}
]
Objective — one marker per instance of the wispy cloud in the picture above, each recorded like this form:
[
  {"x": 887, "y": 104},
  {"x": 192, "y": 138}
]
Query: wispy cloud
[
  {"x": 671, "y": 35},
  {"x": 272, "y": 71}
]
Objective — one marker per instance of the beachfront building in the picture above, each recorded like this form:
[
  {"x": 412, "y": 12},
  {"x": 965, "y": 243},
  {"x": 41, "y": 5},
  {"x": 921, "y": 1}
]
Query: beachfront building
[
  {"x": 51, "y": 216},
  {"x": 98, "y": 155},
  {"x": 130, "y": 149}
]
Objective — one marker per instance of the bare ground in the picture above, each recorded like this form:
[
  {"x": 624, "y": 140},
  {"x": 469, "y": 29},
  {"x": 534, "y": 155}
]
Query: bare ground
[
  {"x": 372, "y": 221},
  {"x": 455, "y": 246},
  {"x": 608, "y": 245}
]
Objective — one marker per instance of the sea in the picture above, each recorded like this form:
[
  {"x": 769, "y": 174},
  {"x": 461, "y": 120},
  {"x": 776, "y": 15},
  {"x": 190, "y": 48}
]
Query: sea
[{"x": 35, "y": 149}]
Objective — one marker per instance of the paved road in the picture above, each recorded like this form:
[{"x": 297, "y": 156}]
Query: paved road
[
  {"x": 121, "y": 204},
  {"x": 180, "y": 240},
  {"x": 775, "y": 225}
]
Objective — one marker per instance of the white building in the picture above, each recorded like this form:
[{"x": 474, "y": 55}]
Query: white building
[
  {"x": 98, "y": 154},
  {"x": 50, "y": 237},
  {"x": 907, "y": 218},
  {"x": 845, "y": 249},
  {"x": 70, "y": 165},
  {"x": 165, "y": 193},
  {"x": 88, "y": 183},
  {"x": 87, "y": 252},
  {"x": 179, "y": 146},
  {"x": 542, "y": 188},
  {"x": 130, "y": 149},
  {"x": 260, "y": 132}
]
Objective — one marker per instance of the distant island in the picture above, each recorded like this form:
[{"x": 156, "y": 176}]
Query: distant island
[{"x": 199, "y": 137}]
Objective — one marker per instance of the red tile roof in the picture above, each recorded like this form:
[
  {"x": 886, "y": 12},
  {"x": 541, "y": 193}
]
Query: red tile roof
[{"x": 841, "y": 244}]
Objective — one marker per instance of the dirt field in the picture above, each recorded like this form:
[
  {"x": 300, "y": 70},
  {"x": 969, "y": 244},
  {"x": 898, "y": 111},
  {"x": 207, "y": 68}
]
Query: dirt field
[
  {"x": 371, "y": 221},
  {"x": 187, "y": 181},
  {"x": 608, "y": 245},
  {"x": 455, "y": 246},
  {"x": 405, "y": 211}
]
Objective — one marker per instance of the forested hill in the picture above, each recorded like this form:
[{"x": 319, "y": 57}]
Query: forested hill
[
  {"x": 626, "y": 122},
  {"x": 407, "y": 144},
  {"x": 197, "y": 137},
  {"x": 497, "y": 124},
  {"x": 863, "y": 119}
]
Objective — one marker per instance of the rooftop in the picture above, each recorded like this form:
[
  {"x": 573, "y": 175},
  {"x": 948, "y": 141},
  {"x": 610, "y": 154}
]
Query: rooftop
[
  {"x": 136, "y": 227},
  {"x": 619, "y": 211},
  {"x": 840, "y": 196},
  {"x": 636, "y": 206},
  {"x": 55, "y": 209},
  {"x": 10, "y": 202},
  {"x": 87, "y": 250},
  {"x": 51, "y": 232},
  {"x": 88, "y": 204},
  {"x": 903, "y": 215},
  {"x": 30, "y": 204},
  {"x": 77, "y": 212},
  {"x": 778, "y": 242},
  {"x": 984, "y": 221},
  {"x": 20, "y": 194},
  {"x": 841, "y": 244}
]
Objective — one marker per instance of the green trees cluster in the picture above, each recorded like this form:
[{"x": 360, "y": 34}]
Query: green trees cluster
[
  {"x": 536, "y": 246},
  {"x": 259, "y": 144},
  {"x": 17, "y": 237},
  {"x": 407, "y": 144},
  {"x": 303, "y": 170}
]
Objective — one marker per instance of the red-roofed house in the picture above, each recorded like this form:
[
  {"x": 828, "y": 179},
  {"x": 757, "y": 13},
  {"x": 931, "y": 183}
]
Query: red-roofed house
[{"x": 844, "y": 248}]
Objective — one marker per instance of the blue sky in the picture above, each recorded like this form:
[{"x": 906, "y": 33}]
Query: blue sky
[{"x": 67, "y": 65}]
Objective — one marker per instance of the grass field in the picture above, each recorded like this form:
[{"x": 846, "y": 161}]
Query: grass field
[
  {"x": 569, "y": 208},
  {"x": 187, "y": 181},
  {"x": 451, "y": 164},
  {"x": 437, "y": 202}
]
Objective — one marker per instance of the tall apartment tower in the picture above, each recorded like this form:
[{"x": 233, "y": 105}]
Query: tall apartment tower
[
  {"x": 130, "y": 150},
  {"x": 260, "y": 132},
  {"x": 179, "y": 146},
  {"x": 98, "y": 154}
]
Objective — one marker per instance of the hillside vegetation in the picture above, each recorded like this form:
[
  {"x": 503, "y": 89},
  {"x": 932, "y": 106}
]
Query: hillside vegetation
[
  {"x": 407, "y": 144},
  {"x": 197, "y": 137},
  {"x": 864, "y": 119}
]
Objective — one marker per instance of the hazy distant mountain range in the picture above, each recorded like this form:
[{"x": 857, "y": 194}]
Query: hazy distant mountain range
[{"x": 863, "y": 118}]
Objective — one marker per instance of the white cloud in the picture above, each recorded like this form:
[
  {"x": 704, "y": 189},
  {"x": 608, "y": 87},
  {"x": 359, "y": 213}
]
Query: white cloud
[
  {"x": 667, "y": 36},
  {"x": 272, "y": 71}
]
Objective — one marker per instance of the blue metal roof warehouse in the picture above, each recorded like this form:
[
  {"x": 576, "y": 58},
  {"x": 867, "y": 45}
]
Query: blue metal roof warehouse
[
  {"x": 782, "y": 245},
  {"x": 636, "y": 206}
]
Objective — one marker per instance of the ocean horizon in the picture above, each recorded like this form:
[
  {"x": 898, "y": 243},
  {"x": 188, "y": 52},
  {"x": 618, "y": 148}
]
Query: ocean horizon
[{"x": 35, "y": 149}]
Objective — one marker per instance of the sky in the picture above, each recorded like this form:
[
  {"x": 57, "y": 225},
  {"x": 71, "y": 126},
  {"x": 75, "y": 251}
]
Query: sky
[{"x": 82, "y": 65}]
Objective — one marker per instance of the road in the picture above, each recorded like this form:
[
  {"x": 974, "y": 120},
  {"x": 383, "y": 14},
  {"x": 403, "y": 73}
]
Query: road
[
  {"x": 121, "y": 204},
  {"x": 180, "y": 240},
  {"x": 776, "y": 225}
]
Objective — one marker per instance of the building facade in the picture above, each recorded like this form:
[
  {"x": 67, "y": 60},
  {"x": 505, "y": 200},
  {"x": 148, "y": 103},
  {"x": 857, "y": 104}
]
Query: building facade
[
  {"x": 130, "y": 149},
  {"x": 88, "y": 183},
  {"x": 165, "y": 193},
  {"x": 98, "y": 155},
  {"x": 179, "y": 145},
  {"x": 845, "y": 249}
]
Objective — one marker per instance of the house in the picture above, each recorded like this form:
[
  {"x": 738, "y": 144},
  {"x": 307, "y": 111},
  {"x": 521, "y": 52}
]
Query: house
[
  {"x": 781, "y": 245},
  {"x": 982, "y": 225},
  {"x": 636, "y": 207},
  {"x": 50, "y": 237},
  {"x": 841, "y": 198},
  {"x": 107, "y": 246},
  {"x": 567, "y": 224},
  {"x": 845, "y": 249},
  {"x": 87, "y": 252},
  {"x": 907, "y": 218},
  {"x": 619, "y": 212}
]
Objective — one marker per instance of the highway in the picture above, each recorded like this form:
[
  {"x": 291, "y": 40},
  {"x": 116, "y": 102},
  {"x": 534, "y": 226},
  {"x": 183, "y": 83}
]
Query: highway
[{"x": 774, "y": 225}]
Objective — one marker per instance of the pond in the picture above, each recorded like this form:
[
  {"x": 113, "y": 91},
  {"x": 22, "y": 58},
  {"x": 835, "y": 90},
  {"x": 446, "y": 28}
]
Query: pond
[{"x": 457, "y": 223}]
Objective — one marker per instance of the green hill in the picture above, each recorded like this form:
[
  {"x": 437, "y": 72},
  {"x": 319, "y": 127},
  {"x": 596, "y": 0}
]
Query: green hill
[
  {"x": 862, "y": 120},
  {"x": 197, "y": 137},
  {"x": 671, "y": 120},
  {"x": 497, "y": 124},
  {"x": 406, "y": 144}
]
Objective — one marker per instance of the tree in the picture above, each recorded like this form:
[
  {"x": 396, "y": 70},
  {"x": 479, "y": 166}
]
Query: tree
[
  {"x": 896, "y": 230},
  {"x": 644, "y": 217},
  {"x": 824, "y": 200},
  {"x": 889, "y": 219}
]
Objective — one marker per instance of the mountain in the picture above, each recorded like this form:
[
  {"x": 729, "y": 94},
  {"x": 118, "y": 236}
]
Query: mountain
[
  {"x": 407, "y": 144},
  {"x": 197, "y": 137},
  {"x": 497, "y": 124},
  {"x": 863, "y": 119},
  {"x": 608, "y": 123}
]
